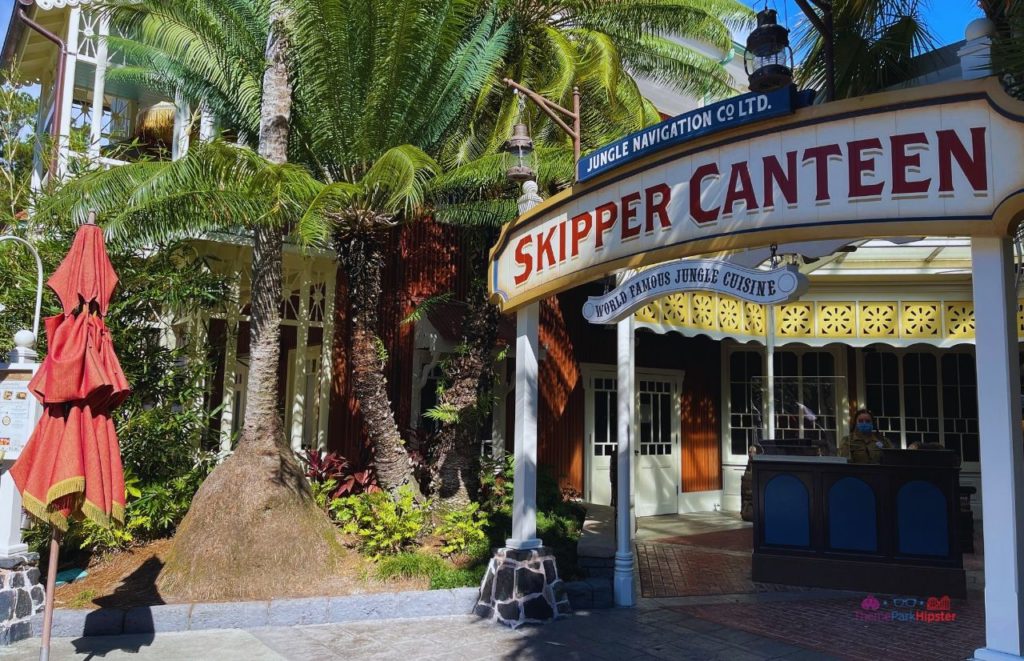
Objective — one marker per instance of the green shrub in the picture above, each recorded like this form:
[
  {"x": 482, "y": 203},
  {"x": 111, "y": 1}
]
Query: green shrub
[
  {"x": 385, "y": 525},
  {"x": 496, "y": 477},
  {"x": 462, "y": 528}
]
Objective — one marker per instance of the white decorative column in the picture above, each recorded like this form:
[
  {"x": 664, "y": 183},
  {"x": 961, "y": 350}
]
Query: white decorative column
[
  {"x": 1002, "y": 458},
  {"x": 98, "y": 91},
  {"x": 227, "y": 400},
  {"x": 67, "y": 95},
  {"x": 182, "y": 123},
  {"x": 299, "y": 371},
  {"x": 207, "y": 123},
  {"x": 524, "y": 495},
  {"x": 769, "y": 369},
  {"x": 326, "y": 358},
  {"x": 625, "y": 388}
]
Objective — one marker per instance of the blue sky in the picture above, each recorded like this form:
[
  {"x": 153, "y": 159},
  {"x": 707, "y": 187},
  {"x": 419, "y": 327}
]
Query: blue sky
[{"x": 947, "y": 18}]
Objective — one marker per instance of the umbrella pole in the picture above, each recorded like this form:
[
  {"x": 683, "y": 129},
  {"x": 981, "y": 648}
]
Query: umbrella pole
[{"x": 51, "y": 583}]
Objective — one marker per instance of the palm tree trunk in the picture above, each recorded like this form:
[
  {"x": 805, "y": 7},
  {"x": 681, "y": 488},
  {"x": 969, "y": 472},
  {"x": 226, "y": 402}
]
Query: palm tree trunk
[
  {"x": 254, "y": 516},
  {"x": 470, "y": 378},
  {"x": 363, "y": 258}
]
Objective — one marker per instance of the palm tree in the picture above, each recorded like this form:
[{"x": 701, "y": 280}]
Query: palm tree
[
  {"x": 601, "y": 46},
  {"x": 1008, "y": 47},
  {"x": 375, "y": 84},
  {"x": 875, "y": 41}
]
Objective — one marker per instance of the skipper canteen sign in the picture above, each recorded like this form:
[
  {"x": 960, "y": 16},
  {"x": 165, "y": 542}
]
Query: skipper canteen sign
[
  {"x": 736, "y": 111},
  {"x": 766, "y": 287},
  {"x": 897, "y": 164}
]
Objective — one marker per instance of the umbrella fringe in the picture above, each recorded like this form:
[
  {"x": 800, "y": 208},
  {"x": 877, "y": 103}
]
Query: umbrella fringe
[
  {"x": 98, "y": 516},
  {"x": 41, "y": 512}
]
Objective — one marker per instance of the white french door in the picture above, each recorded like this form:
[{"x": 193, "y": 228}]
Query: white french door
[{"x": 655, "y": 439}]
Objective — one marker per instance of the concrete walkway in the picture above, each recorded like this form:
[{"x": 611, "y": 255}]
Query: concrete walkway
[{"x": 648, "y": 632}]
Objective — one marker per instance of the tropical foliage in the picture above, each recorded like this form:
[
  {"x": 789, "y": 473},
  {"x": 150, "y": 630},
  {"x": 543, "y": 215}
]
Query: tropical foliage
[
  {"x": 875, "y": 41},
  {"x": 1008, "y": 47}
]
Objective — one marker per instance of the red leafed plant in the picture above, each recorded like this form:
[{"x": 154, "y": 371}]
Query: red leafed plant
[{"x": 351, "y": 480}]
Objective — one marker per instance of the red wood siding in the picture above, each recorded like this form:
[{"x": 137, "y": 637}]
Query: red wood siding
[
  {"x": 426, "y": 259},
  {"x": 701, "y": 438}
]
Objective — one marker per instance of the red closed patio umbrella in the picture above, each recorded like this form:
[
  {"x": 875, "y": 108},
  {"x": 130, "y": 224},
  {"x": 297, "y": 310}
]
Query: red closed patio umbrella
[{"x": 71, "y": 466}]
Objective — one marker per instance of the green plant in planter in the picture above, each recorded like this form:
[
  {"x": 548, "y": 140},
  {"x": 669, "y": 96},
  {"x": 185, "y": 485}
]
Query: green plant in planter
[
  {"x": 462, "y": 529},
  {"x": 385, "y": 525}
]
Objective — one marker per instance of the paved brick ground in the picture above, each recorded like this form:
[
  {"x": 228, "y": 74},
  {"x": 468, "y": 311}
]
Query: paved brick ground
[
  {"x": 674, "y": 570},
  {"x": 832, "y": 627},
  {"x": 725, "y": 540},
  {"x": 691, "y": 567}
]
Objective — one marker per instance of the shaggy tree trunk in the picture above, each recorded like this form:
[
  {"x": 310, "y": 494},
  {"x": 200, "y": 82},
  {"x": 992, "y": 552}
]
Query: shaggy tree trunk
[
  {"x": 254, "y": 519},
  {"x": 469, "y": 377},
  {"x": 363, "y": 261}
]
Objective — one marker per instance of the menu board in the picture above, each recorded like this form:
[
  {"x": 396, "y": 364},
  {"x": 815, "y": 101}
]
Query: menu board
[{"x": 18, "y": 411}]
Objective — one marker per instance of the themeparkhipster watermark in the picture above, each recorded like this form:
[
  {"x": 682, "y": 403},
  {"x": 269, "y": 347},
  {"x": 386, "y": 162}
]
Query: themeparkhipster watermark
[{"x": 930, "y": 610}]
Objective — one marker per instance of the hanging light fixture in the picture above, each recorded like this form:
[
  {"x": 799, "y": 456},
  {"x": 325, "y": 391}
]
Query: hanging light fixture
[
  {"x": 768, "y": 60},
  {"x": 520, "y": 146}
]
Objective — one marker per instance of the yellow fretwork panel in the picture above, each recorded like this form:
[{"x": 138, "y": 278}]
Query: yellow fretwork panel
[
  {"x": 892, "y": 320},
  {"x": 753, "y": 318},
  {"x": 795, "y": 320},
  {"x": 960, "y": 319},
  {"x": 676, "y": 309},
  {"x": 649, "y": 313},
  {"x": 920, "y": 319},
  {"x": 878, "y": 319},
  {"x": 837, "y": 319},
  {"x": 730, "y": 314},
  {"x": 704, "y": 311}
]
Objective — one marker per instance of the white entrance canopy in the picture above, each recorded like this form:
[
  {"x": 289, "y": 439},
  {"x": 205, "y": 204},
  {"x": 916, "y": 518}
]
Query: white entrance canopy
[{"x": 934, "y": 161}]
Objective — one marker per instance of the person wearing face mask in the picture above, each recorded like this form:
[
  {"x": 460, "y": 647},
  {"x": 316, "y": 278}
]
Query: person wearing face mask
[{"x": 864, "y": 445}]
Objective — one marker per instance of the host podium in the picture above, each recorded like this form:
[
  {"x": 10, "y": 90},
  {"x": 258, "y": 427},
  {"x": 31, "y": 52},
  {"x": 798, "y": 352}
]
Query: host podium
[{"x": 889, "y": 528}]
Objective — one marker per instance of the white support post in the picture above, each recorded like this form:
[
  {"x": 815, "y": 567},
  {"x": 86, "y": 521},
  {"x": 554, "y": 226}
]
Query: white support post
[
  {"x": 182, "y": 123},
  {"x": 625, "y": 388},
  {"x": 1002, "y": 457},
  {"x": 227, "y": 413},
  {"x": 769, "y": 369},
  {"x": 67, "y": 97},
  {"x": 98, "y": 91},
  {"x": 10, "y": 514},
  {"x": 298, "y": 404},
  {"x": 326, "y": 358},
  {"x": 524, "y": 495},
  {"x": 207, "y": 123}
]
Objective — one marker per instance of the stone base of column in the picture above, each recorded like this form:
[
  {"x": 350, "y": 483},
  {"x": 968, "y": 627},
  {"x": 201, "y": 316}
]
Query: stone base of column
[
  {"x": 21, "y": 596},
  {"x": 521, "y": 586}
]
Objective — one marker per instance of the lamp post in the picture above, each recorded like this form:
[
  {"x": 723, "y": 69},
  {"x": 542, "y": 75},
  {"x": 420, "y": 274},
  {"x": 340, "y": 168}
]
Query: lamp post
[
  {"x": 553, "y": 110},
  {"x": 769, "y": 60}
]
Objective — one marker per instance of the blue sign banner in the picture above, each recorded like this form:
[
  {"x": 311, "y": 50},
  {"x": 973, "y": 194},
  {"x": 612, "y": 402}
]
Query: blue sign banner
[{"x": 719, "y": 116}]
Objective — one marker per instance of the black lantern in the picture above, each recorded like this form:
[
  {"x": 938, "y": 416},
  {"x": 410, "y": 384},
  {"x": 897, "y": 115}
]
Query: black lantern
[
  {"x": 768, "y": 60},
  {"x": 520, "y": 146}
]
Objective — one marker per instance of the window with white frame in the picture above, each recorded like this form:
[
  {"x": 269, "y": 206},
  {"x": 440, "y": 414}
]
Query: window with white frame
[
  {"x": 807, "y": 397},
  {"x": 924, "y": 397},
  {"x": 745, "y": 369}
]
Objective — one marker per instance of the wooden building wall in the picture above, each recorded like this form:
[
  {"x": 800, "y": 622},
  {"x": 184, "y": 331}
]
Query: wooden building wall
[
  {"x": 427, "y": 259},
  {"x": 570, "y": 341}
]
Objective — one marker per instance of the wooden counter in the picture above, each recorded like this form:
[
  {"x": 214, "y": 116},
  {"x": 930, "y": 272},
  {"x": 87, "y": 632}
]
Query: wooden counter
[{"x": 890, "y": 528}]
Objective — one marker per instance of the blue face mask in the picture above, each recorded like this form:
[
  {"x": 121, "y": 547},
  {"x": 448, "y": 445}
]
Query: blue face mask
[{"x": 865, "y": 427}]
